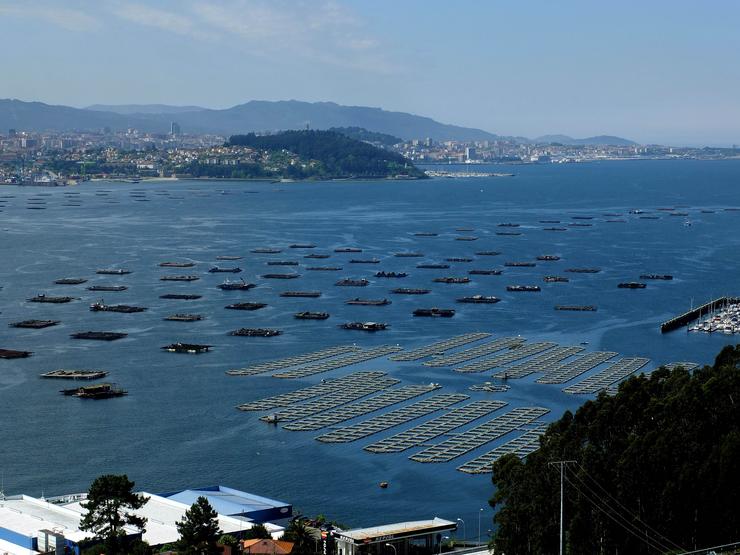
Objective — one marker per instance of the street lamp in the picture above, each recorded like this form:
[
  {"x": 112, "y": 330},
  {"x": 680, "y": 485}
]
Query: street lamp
[
  {"x": 441, "y": 542},
  {"x": 464, "y": 530},
  {"x": 393, "y": 547},
  {"x": 480, "y": 513}
]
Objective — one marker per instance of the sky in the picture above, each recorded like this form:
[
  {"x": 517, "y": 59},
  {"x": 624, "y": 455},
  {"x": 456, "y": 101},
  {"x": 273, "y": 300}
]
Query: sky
[{"x": 654, "y": 71}]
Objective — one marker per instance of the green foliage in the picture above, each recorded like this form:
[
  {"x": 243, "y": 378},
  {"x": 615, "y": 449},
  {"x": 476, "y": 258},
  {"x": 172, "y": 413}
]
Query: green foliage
[
  {"x": 108, "y": 500},
  {"x": 362, "y": 134},
  {"x": 199, "y": 530},
  {"x": 665, "y": 452},
  {"x": 300, "y": 534},
  {"x": 338, "y": 155},
  {"x": 257, "y": 532}
]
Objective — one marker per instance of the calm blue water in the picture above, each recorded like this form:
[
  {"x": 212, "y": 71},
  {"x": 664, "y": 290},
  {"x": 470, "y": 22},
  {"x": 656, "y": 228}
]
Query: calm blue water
[{"x": 178, "y": 427}]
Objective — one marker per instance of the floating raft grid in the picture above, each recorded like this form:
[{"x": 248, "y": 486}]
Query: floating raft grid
[
  {"x": 612, "y": 389},
  {"x": 521, "y": 446},
  {"x": 324, "y": 388},
  {"x": 288, "y": 362},
  {"x": 393, "y": 418},
  {"x": 361, "y": 408},
  {"x": 609, "y": 375},
  {"x": 505, "y": 358},
  {"x": 439, "y": 346},
  {"x": 471, "y": 439},
  {"x": 434, "y": 428},
  {"x": 568, "y": 370},
  {"x": 326, "y": 366},
  {"x": 539, "y": 363},
  {"x": 475, "y": 352},
  {"x": 344, "y": 396}
]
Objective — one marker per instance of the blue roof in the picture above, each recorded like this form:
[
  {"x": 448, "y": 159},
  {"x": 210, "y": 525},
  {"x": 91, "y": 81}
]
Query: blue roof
[{"x": 232, "y": 502}]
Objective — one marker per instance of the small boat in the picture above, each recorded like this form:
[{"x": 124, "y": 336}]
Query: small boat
[
  {"x": 246, "y": 306},
  {"x": 664, "y": 277},
  {"x": 34, "y": 324},
  {"x": 190, "y": 348},
  {"x": 548, "y": 257},
  {"x": 484, "y": 272},
  {"x": 349, "y": 282},
  {"x": 523, "y": 288},
  {"x": 232, "y": 258},
  {"x": 255, "y": 332},
  {"x": 383, "y": 485},
  {"x": 236, "y": 285},
  {"x": 632, "y": 285},
  {"x": 270, "y": 418},
  {"x": 409, "y": 291},
  {"x": 434, "y": 312},
  {"x": 99, "y": 335},
  {"x": 488, "y": 253},
  {"x": 180, "y": 296},
  {"x": 70, "y": 281},
  {"x": 97, "y": 391},
  {"x": 113, "y": 272},
  {"x": 479, "y": 299},
  {"x": 183, "y": 318},
  {"x": 451, "y": 280},
  {"x": 555, "y": 279},
  {"x": 316, "y": 255},
  {"x": 433, "y": 266},
  {"x": 364, "y": 326},
  {"x": 220, "y": 270},
  {"x": 576, "y": 308},
  {"x": 280, "y": 276},
  {"x": 383, "y": 274},
  {"x": 282, "y": 263},
  {"x": 10, "y": 353},
  {"x": 301, "y": 294},
  {"x": 177, "y": 264},
  {"x": 124, "y": 308},
  {"x": 266, "y": 250},
  {"x": 43, "y": 298},
  {"x": 368, "y": 302},
  {"x": 179, "y": 278},
  {"x": 306, "y": 315},
  {"x": 348, "y": 249},
  {"x": 466, "y": 238},
  {"x": 75, "y": 374},
  {"x": 107, "y": 288},
  {"x": 520, "y": 264}
]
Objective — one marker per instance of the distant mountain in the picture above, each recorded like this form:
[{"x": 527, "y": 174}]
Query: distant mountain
[
  {"x": 130, "y": 109},
  {"x": 588, "y": 141}
]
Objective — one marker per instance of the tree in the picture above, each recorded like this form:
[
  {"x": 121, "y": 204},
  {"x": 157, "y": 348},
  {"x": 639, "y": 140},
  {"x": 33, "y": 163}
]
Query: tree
[
  {"x": 108, "y": 501},
  {"x": 257, "y": 532},
  {"x": 298, "y": 533},
  {"x": 199, "y": 530}
]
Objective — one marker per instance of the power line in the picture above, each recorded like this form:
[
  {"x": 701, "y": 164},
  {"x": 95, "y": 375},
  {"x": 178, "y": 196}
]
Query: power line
[{"x": 625, "y": 509}]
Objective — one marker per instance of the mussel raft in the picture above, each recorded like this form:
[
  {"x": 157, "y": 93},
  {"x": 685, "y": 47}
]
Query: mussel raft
[{"x": 255, "y": 332}]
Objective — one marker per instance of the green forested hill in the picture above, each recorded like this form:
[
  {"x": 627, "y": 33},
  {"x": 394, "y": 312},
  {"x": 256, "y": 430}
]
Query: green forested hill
[{"x": 657, "y": 471}]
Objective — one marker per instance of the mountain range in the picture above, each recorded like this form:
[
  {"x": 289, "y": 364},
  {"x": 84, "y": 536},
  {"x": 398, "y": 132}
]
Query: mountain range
[{"x": 253, "y": 116}]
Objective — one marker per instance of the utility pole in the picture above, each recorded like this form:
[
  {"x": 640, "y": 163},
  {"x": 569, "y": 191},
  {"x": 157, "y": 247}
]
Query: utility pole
[{"x": 562, "y": 465}]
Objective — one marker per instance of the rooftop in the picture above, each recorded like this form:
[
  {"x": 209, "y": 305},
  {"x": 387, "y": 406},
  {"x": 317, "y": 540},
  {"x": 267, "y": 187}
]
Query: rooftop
[{"x": 416, "y": 527}]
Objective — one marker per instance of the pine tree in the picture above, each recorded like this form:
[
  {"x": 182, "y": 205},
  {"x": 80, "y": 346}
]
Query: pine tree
[{"x": 199, "y": 530}]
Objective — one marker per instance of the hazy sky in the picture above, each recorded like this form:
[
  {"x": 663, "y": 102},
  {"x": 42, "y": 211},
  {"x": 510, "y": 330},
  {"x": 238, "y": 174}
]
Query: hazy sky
[{"x": 651, "y": 70}]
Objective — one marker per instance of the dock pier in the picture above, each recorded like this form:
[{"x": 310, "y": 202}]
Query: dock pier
[{"x": 696, "y": 313}]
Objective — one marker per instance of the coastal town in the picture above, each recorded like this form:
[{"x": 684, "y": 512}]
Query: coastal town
[{"x": 58, "y": 158}]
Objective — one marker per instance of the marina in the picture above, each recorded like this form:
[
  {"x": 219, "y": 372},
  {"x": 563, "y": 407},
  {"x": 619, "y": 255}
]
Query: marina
[
  {"x": 521, "y": 446},
  {"x": 476, "y": 352},
  {"x": 476, "y": 437},
  {"x": 426, "y": 432},
  {"x": 361, "y": 355},
  {"x": 521, "y": 351},
  {"x": 392, "y": 418},
  {"x": 360, "y": 408},
  {"x": 717, "y": 305},
  {"x": 566, "y": 371},
  {"x": 613, "y": 373}
]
